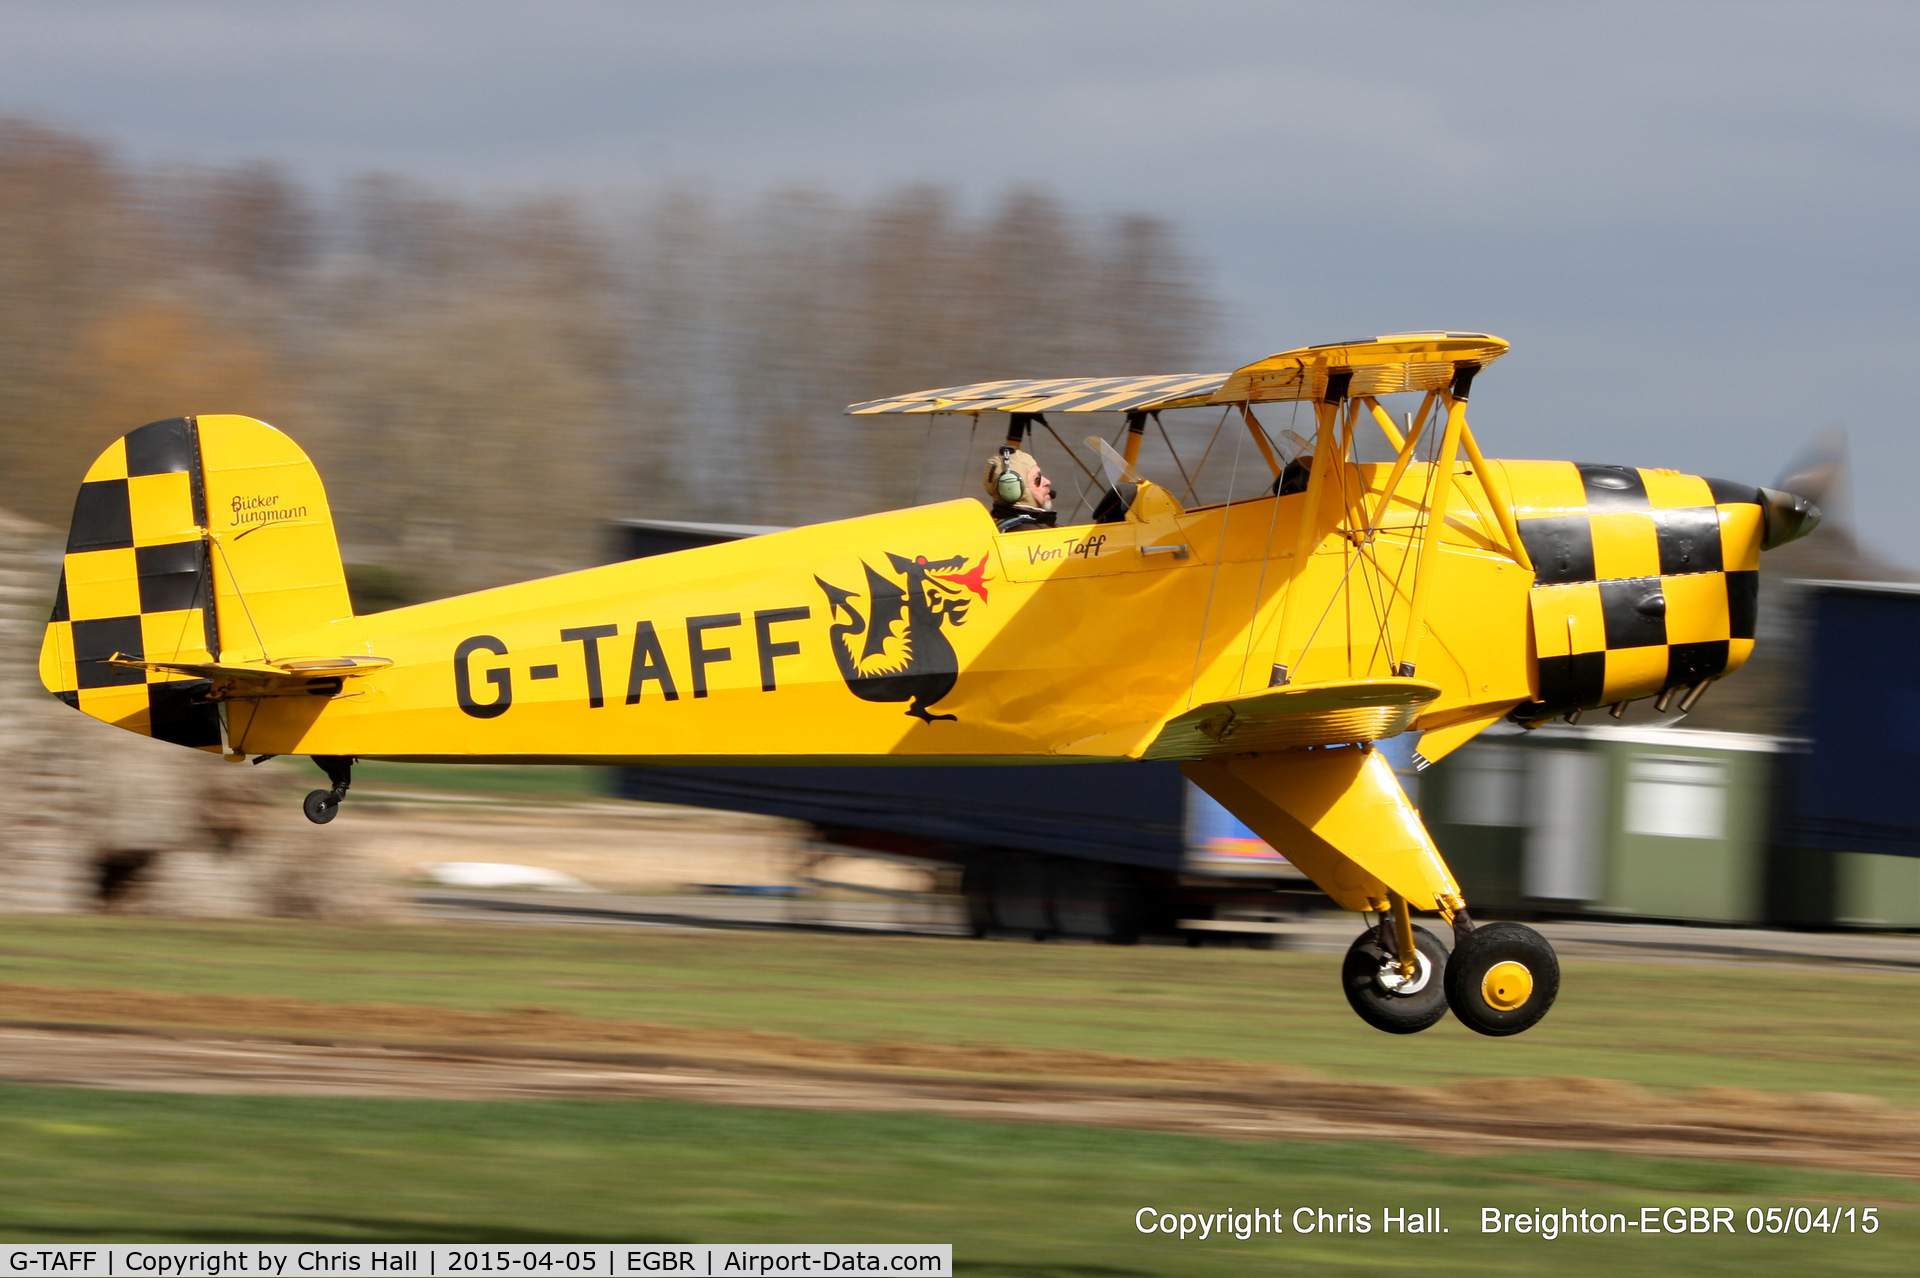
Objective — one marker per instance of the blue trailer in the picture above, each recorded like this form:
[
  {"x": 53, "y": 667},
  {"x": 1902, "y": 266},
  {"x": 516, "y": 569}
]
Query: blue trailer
[{"x": 1847, "y": 836}]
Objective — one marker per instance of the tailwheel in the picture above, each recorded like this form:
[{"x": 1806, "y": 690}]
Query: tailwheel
[
  {"x": 1384, "y": 996},
  {"x": 321, "y": 806},
  {"x": 1501, "y": 978}
]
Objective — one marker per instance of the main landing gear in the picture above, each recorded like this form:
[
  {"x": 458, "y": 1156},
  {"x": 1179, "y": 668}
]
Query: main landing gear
[
  {"x": 1386, "y": 997},
  {"x": 321, "y": 806},
  {"x": 1500, "y": 979}
]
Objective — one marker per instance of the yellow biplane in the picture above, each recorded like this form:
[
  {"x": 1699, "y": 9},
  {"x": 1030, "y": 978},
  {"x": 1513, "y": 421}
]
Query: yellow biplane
[{"x": 1265, "y": 642}]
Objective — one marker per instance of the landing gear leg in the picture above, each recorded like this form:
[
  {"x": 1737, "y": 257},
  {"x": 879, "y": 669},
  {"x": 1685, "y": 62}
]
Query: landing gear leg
[
  {"x": 1342, "y": 818},
  {"x": 321, "y": 806}
]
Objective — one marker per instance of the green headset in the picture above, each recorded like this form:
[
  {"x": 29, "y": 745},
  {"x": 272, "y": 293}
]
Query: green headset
[{"x": 1008, "y": 486}]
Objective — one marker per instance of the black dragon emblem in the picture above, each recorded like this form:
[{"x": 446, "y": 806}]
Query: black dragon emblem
[{"x": 918, "y": 666}]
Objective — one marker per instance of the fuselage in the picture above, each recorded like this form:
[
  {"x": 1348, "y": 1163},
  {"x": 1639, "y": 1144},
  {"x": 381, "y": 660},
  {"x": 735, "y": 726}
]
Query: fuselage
[{"x": 923, "y": 635}]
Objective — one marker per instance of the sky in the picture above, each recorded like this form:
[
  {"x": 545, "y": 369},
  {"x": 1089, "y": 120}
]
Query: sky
[{"x": 1694, "y": 221}]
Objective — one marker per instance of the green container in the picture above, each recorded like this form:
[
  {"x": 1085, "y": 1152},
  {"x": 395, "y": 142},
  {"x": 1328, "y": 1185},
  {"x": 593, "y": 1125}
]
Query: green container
[{"x": 1659, "y": 823}]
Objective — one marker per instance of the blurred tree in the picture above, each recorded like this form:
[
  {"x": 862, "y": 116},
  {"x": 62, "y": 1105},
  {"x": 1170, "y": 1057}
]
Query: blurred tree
[
  {"x": 156, "y": 357},
  {"x": 466, "y": 377},
  {"x": 797, "y": 305},
  {"x": 65, "y": 249},
  {"x": 484, "y": 382}
]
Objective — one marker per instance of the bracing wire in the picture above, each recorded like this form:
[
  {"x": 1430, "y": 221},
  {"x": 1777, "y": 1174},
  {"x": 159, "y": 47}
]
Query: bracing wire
[
  {"x": 966, "y": 460},
  {"x": 1374, "y": 578},
  {"x": 1384, "y": 606},
  {"x": 1412, "y": 559},
  {"x": 1382, "y": 603},
  {"x": 1321, "y": 620},
  {"x": 1259, "y": 588},
  {"x": 1279, "y": 638},
  {"x": 1266, "y": 558},
  {"x": 1256, "y": 423},
  {"x": 1213, "y": 580},
  {"x": 1072, "y": 455},
  {"x": 1359, "y": 542},
  {"x": 1430, "y": 444},
  {"x": 1352, "y": 561},
  {"x": 1344, "y": 446},
  {"x": 1176, "y": 456},
  {"x": 258, "y": 638},
  {"x": 1091, "y": 483},
  {"x": 202, "y": 584},
  {"x": 920, "y": 471},
  {"x": 1218, "y": 426},
  {"x": 1379, "y": 592},
  {"x": 1391, "y": 588}
]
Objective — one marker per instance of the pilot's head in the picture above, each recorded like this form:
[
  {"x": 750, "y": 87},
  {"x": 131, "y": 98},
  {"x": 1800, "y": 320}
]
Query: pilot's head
[{"x": 1014, "y": 478}]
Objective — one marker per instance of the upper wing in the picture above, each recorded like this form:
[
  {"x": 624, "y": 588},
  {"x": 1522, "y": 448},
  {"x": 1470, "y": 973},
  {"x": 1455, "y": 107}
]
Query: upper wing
[
  {"x": 1373, "y": 366},
  {"x": 1055, "y": 395},
  {"x": 1370, "y": 365},
  {"x": 1292, "y": 718}
]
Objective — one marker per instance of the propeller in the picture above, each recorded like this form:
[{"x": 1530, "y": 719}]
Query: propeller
[
  {"x": 1812, "y": 486},
  {"x": 1789, "y": 517}
]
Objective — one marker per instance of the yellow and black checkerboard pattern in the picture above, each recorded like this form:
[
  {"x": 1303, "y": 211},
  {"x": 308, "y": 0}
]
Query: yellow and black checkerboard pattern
[
  {"x": 1054, "y": 395},
  {"x": 135, "y": 582},
  {"x": 1645, "y": 579}
]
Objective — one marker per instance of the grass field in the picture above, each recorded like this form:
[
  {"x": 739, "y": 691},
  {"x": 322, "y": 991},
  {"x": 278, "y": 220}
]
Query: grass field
[
  {"x": 1014, "y": 1199},
  {"x": 1026, "y": 1200},
  {"x": 1664, "y": 1026}
]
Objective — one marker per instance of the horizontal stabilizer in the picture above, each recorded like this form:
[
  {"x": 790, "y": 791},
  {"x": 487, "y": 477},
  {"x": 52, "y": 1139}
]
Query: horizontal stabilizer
[
  {"x": 259, "y": 671},
  {"x": 1293, "y": 718}
]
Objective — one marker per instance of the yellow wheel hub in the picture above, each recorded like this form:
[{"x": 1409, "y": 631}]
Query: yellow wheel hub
[{"x": 1506, "y": 985}]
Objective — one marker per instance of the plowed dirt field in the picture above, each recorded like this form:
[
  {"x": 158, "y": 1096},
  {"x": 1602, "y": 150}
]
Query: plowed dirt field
[{"x": 243, "y": 1044}]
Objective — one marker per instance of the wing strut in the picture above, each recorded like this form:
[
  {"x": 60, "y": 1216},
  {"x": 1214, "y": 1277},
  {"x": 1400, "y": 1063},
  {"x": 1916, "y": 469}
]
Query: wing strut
[
  {"x": 1328, "y": 411},
  {"x": 1456, "y": 435},
  {"x": 1387, "y": 427},
  {"x": 1502, "y": 509},
  {"x": 1259, "y": 433},
  {"x": 1423, "y": 570}
]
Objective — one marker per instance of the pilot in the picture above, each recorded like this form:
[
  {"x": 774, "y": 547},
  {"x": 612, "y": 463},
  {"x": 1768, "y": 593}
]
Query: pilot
[{"x": 1022, "y": 495}]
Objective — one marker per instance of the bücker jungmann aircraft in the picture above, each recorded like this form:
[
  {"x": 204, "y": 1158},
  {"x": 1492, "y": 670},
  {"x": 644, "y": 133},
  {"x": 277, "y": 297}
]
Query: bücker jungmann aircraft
[{"x": 1265, "y": 643}]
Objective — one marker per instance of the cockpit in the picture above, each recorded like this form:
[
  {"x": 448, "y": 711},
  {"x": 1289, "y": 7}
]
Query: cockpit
[{"x": 1163, "y": 435}]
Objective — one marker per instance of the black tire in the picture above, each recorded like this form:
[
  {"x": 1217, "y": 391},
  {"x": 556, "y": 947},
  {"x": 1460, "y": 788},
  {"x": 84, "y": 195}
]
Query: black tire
[
  {"x": 321, "y": 806},
  {"x": 1362, "y": 975},
  {"x": 1489, "y": 998}
]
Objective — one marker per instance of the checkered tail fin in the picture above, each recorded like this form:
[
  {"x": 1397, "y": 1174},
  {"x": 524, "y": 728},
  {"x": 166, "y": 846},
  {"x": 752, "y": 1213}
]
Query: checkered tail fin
[{"x": 193, "y": 539}]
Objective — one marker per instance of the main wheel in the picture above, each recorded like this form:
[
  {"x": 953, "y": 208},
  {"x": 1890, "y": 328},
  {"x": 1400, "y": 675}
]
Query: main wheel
[
  {"x": 1386, "y": 1000},
  {"x": 321, "y": 806},
  {"x": 1502, "y": 978}
]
